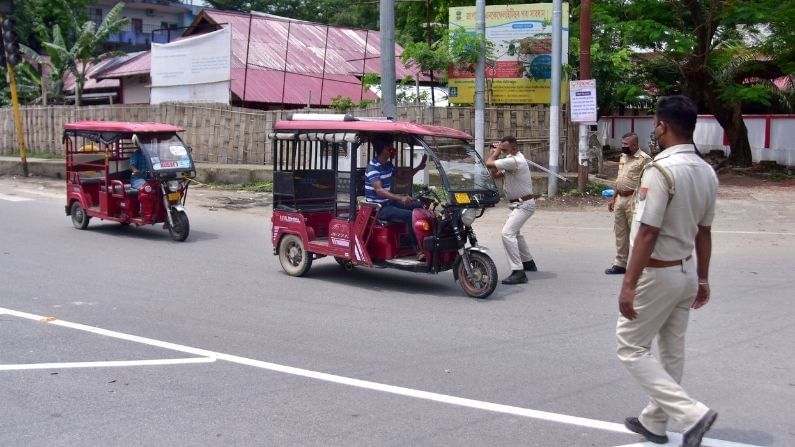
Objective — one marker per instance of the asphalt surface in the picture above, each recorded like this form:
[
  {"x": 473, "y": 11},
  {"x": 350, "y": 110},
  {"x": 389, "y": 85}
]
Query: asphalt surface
[{"x": 119, "y": 336}]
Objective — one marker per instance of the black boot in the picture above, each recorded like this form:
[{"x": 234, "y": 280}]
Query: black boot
[
  {"x": 517, "y": 277},
  {"x": 530, "y": 266}
]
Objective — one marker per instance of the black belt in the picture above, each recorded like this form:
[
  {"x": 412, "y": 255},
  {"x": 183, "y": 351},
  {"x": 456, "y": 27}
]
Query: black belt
[{"x": 523, "y": 198}]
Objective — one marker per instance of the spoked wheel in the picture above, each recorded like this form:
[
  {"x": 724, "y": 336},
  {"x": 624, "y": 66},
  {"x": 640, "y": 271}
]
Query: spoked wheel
[
  {"x": 179, "y": 231},
  {"x": 347, "y": 264},
  {"x": 484, "y": 275},
  {"x": 79, "y": 217},
  {"x": 295, "y": 260}
]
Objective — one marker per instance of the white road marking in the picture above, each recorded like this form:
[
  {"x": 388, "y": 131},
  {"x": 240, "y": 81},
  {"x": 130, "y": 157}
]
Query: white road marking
[
  {"x": 109, "y": 363},
  {"x": 408, "y": 392},
  {"x": 13, "y": 198}
]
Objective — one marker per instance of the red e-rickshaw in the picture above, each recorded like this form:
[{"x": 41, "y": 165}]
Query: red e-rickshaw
[
  {"x": 98, "y": 174},
  {"x": 319, "y": 208}
]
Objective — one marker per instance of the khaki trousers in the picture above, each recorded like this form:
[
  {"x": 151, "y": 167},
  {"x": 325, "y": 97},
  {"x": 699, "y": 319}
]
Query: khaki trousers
[
  {"x": 623, "y": 209},
  {"x": 662, "y": 301},
  {"x": 513, "y": 242}
]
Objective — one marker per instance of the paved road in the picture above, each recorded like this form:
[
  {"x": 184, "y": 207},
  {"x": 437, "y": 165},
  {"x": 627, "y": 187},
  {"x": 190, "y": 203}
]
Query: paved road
[{"x": 119, "y": 336}]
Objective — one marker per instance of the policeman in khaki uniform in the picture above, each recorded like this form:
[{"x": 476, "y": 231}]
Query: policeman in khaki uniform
[
  {"x": 518, "y": 187},
  {"x": 632, "y": 161},
  {"x": 673, "y": 214}
]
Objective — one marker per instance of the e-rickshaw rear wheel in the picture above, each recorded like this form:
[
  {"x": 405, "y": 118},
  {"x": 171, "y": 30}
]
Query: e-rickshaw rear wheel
[
  {"x": 79, "y": 217},
  {"x": 295, "y": 260},
  {"x": 484, "y": 275},
  {"x": 181, "y": 227}
]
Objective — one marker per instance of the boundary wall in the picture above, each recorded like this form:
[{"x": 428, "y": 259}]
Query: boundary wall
[
  {"x": 772, "y": 137},
  {"x": 231, "y": 135}
]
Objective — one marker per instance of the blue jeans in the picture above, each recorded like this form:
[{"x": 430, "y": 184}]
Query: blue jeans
[
  {"x": 137, "y": 182},
  {"x": 397, "y": 212}
]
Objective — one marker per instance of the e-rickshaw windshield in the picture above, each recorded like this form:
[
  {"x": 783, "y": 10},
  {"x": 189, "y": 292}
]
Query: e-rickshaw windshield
[
  {"x": 166, "y": 152},
  {"x": 460, "y": 165}
]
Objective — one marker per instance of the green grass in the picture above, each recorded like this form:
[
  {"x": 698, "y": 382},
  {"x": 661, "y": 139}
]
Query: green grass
[
  {"x": 254, "y": 187},
  {"x": 591, "y": 189}
]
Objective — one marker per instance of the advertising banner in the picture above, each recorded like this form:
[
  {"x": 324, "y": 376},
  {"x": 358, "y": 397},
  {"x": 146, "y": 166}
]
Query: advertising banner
[
  {"x": 522, "y": 39},
  {"x": 196, "y": 69}
]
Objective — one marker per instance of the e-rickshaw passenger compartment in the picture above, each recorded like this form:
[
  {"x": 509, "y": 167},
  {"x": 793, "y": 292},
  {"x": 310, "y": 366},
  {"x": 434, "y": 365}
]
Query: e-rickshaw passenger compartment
[{"x": 305, "y": 190}]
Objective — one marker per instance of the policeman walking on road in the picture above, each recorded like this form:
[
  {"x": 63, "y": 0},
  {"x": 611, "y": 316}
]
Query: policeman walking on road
[
  {"x": 673, "y": 214},
  {"x": 629, "y": 167}
]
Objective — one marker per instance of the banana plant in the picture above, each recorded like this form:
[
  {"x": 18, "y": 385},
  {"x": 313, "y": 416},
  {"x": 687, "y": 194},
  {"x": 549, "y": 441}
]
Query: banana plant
[{"x": 78, "y": 57}]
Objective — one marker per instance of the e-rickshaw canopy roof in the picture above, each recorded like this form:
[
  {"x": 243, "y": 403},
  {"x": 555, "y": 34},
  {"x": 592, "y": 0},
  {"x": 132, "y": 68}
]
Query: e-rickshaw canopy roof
[
  {"x": 369, "y": 126},
  {"x": 121, "y": 126}
]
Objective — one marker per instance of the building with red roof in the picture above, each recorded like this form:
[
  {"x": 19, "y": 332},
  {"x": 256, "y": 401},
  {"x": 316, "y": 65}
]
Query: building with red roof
[{"x": 277, "y": 62}]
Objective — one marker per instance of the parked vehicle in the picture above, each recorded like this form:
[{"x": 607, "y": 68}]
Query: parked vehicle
[
  {"x": 98, "y": 174},
  {"x": 319, "y": 209}
]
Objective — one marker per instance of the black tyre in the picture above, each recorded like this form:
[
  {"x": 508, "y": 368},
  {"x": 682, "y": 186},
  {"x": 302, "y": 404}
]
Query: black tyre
[
  {"x": 179, "y": 231},
  {"x": 79, "y": 217},
  {"x": 345, "y": 263},
  {"x": 484, "y": 275},
  {"x": 295, "y": 260}
]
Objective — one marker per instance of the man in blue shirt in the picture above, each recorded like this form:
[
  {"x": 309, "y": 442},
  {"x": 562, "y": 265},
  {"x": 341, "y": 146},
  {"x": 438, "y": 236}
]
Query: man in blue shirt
[
  {"x": 139, "y": 169},
  {"x": 378, "y": 185}
]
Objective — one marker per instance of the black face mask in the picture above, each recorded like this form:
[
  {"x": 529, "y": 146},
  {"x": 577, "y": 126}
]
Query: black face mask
[{"x": 626, "y": 150}]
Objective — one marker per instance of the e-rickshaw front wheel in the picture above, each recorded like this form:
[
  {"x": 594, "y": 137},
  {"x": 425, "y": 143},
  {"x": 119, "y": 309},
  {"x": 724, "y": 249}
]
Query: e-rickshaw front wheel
[
  {"x": 181, "y": 227},
  {"x": 484, "y": 275},
  {"x": 79, "y": 216},
  {"x": 295, "y": 260}
]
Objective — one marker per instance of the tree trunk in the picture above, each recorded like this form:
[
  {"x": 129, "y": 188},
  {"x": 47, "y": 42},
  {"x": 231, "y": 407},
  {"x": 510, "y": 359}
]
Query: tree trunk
[
  {"x": 735, "y": 129},
  {"x": 701, "y": 88}
]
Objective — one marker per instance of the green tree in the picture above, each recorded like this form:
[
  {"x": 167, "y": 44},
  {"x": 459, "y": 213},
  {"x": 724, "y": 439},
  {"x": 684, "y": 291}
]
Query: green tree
[
  {"x": 231, "y": 5},
  {"x": 79, "y": 56},
  {"x": 30, "y": 13},
  {"x": 700, "y": 44}
]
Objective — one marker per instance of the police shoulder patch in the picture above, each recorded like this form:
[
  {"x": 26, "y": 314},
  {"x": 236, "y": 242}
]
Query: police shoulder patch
[{"x": 642, "y": 193}]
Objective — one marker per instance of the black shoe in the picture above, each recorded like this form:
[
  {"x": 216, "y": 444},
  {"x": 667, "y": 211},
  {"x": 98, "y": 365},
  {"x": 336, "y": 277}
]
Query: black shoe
[
  {"x": 530, "y": 266},
  {"x": 693, "y": 437},
  {"x": 517, "y": 277},
  {"x": 615, "y": 270},
  {"x": 634, "y": 425}
]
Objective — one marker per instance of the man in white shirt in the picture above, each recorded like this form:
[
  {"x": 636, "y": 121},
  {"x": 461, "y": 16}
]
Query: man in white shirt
[{"x": 518, "y": 187}]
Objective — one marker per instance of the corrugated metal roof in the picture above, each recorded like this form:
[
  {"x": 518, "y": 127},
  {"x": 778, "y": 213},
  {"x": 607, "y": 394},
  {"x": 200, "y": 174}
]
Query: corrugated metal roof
[
  {"x": 289, "y": 62},
  {"x": 139, "y": 65},
  {"x": 94, "y": 78},
  {"x": 317, "y": 61}
]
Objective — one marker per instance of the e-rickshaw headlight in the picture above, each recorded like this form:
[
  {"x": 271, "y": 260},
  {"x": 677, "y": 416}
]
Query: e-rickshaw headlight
[
  {"x": 173, "y": 185},
  {"x": 468, "y": 216}
]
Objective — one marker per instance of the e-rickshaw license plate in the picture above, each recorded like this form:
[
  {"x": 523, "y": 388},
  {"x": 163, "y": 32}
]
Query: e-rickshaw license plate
[
  {"x": 462, "y": 198},
  {"x": 173, "y": 196}
]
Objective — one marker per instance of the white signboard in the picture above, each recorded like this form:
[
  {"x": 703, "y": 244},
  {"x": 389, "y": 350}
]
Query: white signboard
[
  {"x": 582, "y": 98},
  {"x": 196, "y": 69}
]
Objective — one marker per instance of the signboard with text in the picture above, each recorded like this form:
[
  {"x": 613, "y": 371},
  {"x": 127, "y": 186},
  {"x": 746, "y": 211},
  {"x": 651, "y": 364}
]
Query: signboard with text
[
  {"x": 196, "y": 69},
  {"x": 522, "y": 39},
  {"x": 583, "y": 101}
]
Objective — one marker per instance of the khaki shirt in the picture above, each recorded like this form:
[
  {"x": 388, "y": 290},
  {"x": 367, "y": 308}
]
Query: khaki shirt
[
  {"x": 692, "y": 204},
  {"x": 629, "y": 169},
  {"x": 517, "y": 181}
]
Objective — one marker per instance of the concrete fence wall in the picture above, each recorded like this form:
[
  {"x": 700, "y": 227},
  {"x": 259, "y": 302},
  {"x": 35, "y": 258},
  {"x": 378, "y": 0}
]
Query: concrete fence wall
[
  {"x": 229, "y": 135},
  {"x": 772, "y": 137}
]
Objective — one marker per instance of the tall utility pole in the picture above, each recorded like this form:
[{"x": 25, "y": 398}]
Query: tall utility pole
[
  {"x": 430, "y": 44},
  {"x": 585, "y": 73},
  {"x": 554, "y": 100},
  {"x": 480, "y": 80},
  {"x": 388, "y": 97},
  {"x": 9, "y": 36}
]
